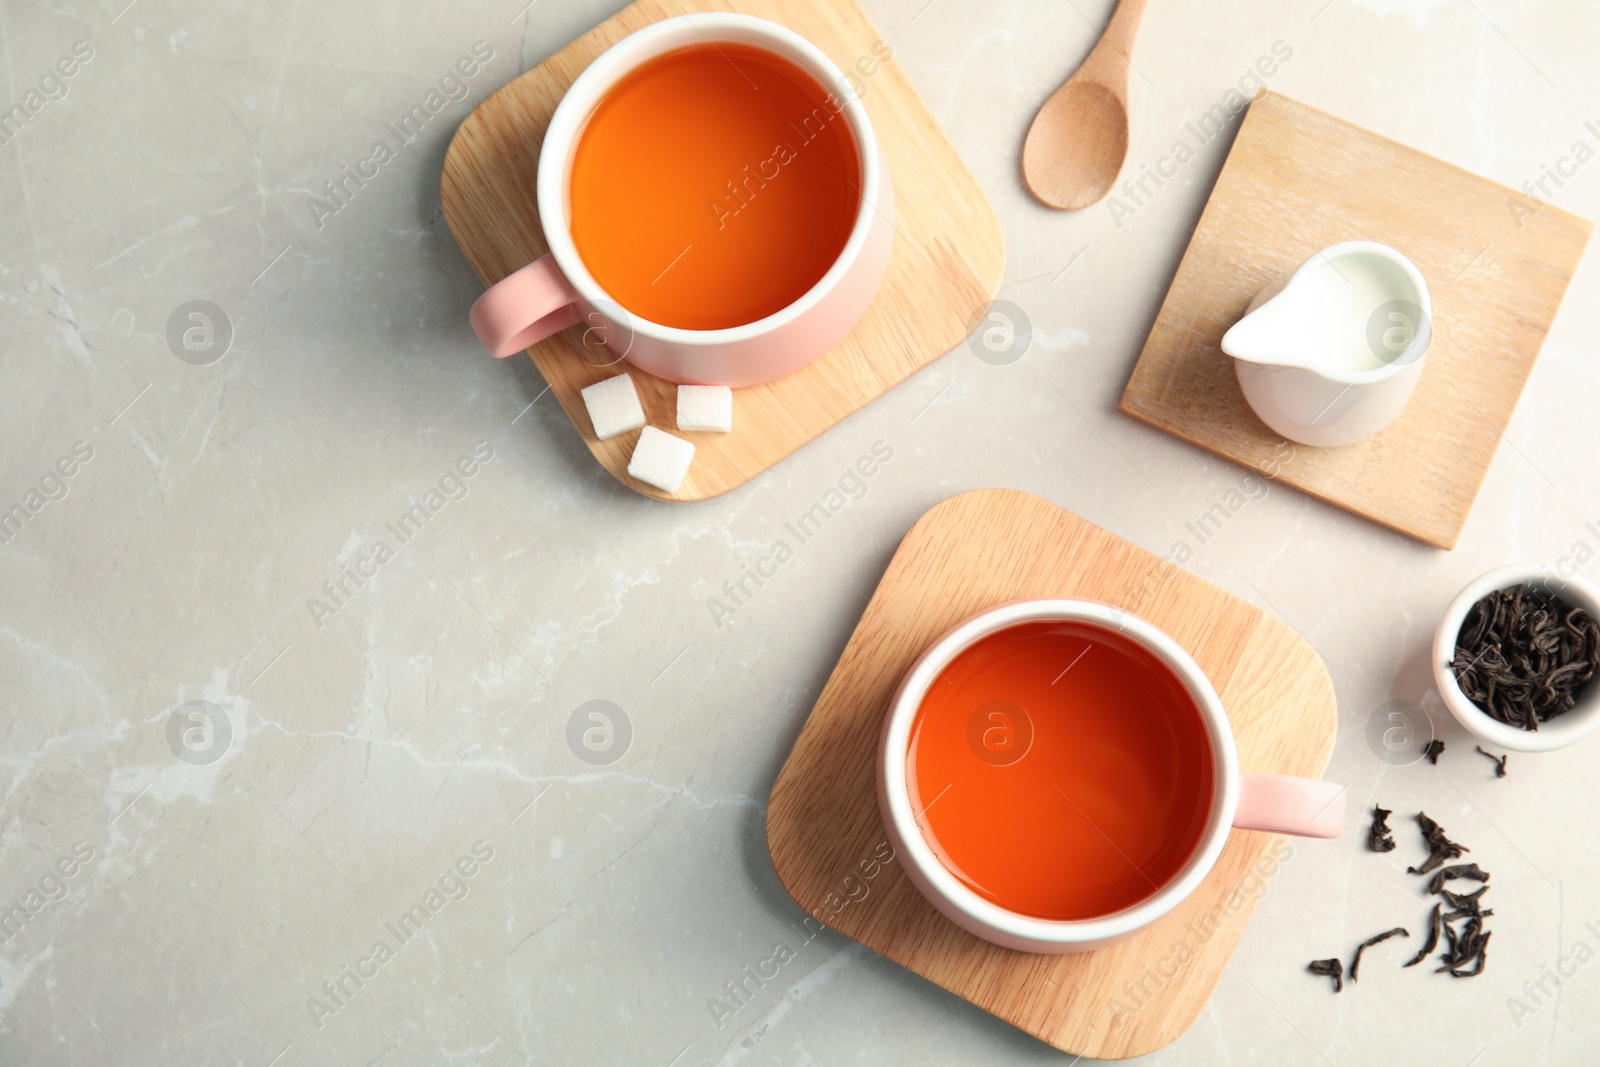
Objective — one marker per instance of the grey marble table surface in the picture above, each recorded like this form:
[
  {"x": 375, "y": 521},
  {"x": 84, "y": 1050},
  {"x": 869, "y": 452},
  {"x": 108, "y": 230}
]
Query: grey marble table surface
[{"x": 268, "y": 800}]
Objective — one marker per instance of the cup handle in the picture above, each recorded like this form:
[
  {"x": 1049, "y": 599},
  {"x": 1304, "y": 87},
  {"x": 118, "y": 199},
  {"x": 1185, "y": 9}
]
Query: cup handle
[
  {"x": 1284, "y": 804},
  {"x": 524, "y": 308}
]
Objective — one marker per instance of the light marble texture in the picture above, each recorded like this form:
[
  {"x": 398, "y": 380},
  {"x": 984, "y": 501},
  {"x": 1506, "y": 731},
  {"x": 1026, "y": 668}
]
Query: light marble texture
[{"x": 374, "y": 746}]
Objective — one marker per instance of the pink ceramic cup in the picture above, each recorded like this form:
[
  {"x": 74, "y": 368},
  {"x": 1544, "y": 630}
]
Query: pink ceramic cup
[
  {"x": 556, "y": 290},
  {"x": 1280, "y": 803}
]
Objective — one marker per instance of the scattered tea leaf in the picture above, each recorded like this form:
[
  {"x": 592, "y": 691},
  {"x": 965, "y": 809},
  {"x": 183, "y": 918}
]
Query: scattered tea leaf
[
  {"x": 1482, "y": 954},
  {"x": 1498, "y": 761},
  {"x": 1431, "y": 942},
  {"x": 1331, "y": 968},
  {"x": 1433, "y": 750},
  {"x": 1379, "y": 838},
  {"x": 1465, "y": 901},
  {"x": 1467, "y": 913},
  {"x": 1462, "y": 870},
  {"x": 1355, "y": 963},
  {"x": 1440, "y": 847}
]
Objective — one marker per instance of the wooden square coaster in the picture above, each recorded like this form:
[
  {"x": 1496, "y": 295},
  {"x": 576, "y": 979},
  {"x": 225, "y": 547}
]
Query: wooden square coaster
[
  {"x": 1497, "y": 265},
  {"x": 970, "y": 553}
]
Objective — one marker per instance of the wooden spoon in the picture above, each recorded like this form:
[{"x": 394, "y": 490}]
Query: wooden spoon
[{"x": 1079, "y": 139}]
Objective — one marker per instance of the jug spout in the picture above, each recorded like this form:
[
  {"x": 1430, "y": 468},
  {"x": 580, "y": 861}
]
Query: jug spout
[{"x": 1274, "y": 334}]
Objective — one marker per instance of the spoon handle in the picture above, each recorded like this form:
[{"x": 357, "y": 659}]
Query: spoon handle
[{"x": 1112, "y": 54}]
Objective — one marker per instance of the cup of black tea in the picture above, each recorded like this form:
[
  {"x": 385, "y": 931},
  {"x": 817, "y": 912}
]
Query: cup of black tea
[{"x": 1516, "y": 658}]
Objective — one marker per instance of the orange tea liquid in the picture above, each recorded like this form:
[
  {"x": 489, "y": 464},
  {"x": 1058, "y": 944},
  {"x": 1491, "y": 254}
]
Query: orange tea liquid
[
  {"x": 1060, "y": 770},
  {"x": 713, "y": 186}
]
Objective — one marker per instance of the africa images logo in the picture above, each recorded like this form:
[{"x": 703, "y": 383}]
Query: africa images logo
[
  {"x": 452, "y": 486},
  {"x": 340, "y": 190},
  {"x": 451, "y": 886}
]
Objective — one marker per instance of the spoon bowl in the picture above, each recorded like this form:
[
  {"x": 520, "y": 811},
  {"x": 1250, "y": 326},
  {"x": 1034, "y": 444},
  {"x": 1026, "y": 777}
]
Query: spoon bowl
[
  {"x": 1079, "y": 139},
  {"x": 1076, "y": 145}
]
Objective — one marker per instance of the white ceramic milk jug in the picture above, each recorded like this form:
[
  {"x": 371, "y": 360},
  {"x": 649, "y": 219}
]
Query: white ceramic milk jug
[{"x": 1331, "y": 356}]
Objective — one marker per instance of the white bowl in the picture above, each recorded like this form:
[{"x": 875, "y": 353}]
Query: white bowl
[{"x": 1560, "y": 731}]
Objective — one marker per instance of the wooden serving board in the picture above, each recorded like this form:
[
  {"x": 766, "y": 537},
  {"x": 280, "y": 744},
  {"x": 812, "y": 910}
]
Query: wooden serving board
[
  {"x": 1496, "y": 263},
  {"x": 969, "y": 553},
  {"x": 948, "y": 255}
]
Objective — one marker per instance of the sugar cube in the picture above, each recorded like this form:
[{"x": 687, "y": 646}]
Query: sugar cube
[
  {"x": 705, "y": 407},
  {"x": 613, "y": 406},
  {"x": 661, "y": 459}
]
